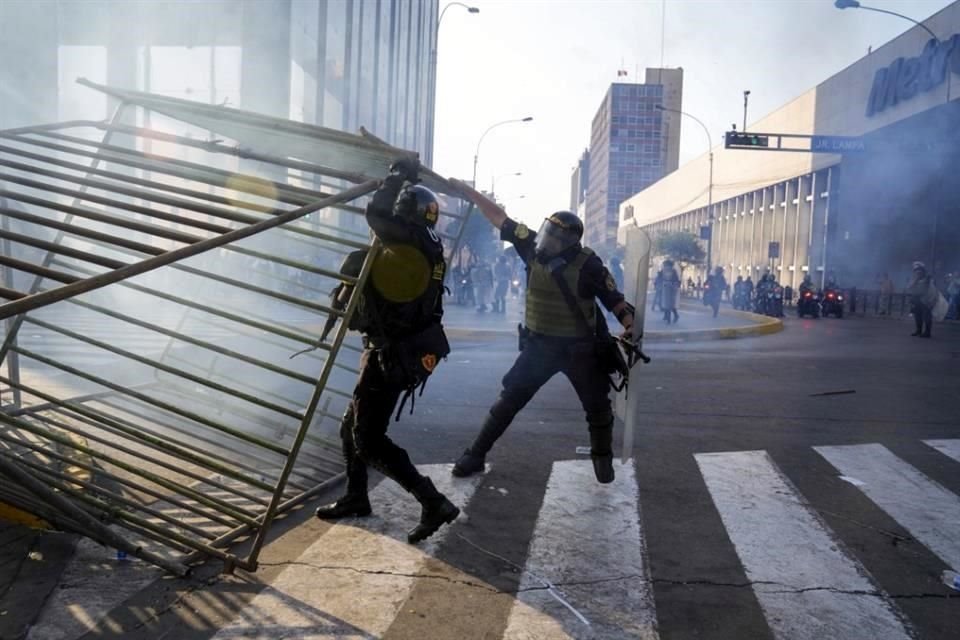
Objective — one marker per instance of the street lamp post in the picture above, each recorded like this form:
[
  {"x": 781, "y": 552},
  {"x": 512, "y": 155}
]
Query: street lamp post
[
  {"x": 854, "y": 4},
  {"x": 706, "y": 131},
  {"x": 476, "y": 153},
  {"x": 433, "y": 72}
]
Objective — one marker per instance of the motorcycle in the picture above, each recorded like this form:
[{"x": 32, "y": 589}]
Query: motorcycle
[
  {"x": 775, "y": 302},
  {"x": 831, "y": 302},
  {"x": 808, "y": 304}
]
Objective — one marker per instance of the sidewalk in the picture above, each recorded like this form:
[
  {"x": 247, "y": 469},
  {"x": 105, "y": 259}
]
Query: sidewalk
[{"x": 696, "y": 322}]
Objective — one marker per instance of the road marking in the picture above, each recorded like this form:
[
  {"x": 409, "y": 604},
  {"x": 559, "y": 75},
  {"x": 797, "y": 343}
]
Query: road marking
[
  {"x": 949, "y": 448},
  {"x": 807, "y": 587},
  {"x": 590, "y": 534},
  {"x": 921, "y": 506},
  {"x": 353, "y": 581}
]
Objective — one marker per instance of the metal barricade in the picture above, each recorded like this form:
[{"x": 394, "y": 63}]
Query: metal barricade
[{"x": 156, "y": 285}]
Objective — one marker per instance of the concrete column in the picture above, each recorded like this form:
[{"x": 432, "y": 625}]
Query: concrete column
[
  {"x": 265, "y": 70},
  {"x": 29, "y": 41}
]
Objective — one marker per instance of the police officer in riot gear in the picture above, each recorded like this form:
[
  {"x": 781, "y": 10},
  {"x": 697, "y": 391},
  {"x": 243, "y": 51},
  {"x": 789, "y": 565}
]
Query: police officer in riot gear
[
  {"x": 399, "y": 316},
  {"x": 564, "y": 280}
]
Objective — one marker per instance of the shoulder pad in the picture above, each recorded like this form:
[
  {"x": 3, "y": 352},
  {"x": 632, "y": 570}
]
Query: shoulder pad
[{"x": 587, "y": 251}]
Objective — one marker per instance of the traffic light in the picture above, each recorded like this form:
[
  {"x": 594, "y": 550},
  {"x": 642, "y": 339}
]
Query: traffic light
[{"x": 737, "y": 139}]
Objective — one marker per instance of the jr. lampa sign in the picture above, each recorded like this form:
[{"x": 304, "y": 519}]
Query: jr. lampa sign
[{"x": 906, "y": 77}]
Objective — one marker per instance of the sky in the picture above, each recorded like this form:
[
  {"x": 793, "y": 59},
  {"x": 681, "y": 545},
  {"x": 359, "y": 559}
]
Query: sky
[{"x": 554, "y": 60}]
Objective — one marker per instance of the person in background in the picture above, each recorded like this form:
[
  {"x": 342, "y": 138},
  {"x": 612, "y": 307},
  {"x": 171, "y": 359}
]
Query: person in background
[
  {"x": 670, "y": 292},
  {"x": 501, "y": 273},
  {"x": 482, "y": 278},
  {"x": 886, "y": 294},
  {"x": 923, "y": 296},
  {"x": 616, "y": 270},
  {"x": 953, "y": 296},
  {"x": 657, "y": 291}
]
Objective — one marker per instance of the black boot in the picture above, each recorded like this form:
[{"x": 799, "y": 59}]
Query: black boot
[
  {"x": 601, "y": 452},
  {"x": 474, "y": 459},
  {"x": 351, "y": 505},
  {"x": 437, "y": 511}
]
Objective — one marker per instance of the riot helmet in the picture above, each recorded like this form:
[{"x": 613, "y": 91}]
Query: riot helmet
[
  {"x": 417, "y": 204},
  {"x": 558, "y": 233}
]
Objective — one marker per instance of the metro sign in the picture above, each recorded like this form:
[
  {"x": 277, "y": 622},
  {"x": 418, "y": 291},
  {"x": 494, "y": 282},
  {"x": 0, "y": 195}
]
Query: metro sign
[{"x": 906, "y": 77}]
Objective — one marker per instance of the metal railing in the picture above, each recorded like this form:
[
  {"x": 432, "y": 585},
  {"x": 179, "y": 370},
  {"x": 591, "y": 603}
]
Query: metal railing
[{"x": 156, "y": 286}]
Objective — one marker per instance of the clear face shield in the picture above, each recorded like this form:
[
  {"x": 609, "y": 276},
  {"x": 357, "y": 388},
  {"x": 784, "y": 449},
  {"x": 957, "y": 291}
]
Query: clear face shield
[{"x": 552, "y": 239}]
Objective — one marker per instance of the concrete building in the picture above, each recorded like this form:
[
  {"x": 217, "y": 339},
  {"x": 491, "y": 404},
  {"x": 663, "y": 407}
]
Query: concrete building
[
  {"x": 856, "y": 214},
  {"x": 578, "y": 183},
  {"x": 337, "y": 63},
  {"x": 632, "y": 145}
]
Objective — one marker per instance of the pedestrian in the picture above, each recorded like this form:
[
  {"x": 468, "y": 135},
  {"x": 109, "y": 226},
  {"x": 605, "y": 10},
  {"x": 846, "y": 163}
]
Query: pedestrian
[
  {"x": 564, "y": 281},
  {"x": 657, "y": 290},
  {"x": 616, "y": 270},
  {"x": 501, "y": 273},
  {"x": 671, "y": 291},
  {"x": 953, "y": 296},
  {"x": 716, "y": 284},
  {"x": 482, "y": 278},
  {"x": 886, "y": 294},
  {"x": 923, "y": 297},
  {"x": 400, "y": 319}
]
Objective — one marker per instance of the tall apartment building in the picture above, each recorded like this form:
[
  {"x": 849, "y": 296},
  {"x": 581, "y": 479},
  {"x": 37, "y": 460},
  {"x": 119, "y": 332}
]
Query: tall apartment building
[
  {"x": 632, "y": 145},
  {"x": 578, "y": 183}
]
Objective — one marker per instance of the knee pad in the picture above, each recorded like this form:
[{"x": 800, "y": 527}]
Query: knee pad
[
  {"x": 602, "y": 419},
  {"x": 506, "y": 407}
]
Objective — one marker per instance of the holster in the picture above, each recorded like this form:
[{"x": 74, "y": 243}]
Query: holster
[
  {"x": 409, "y": 361},
  {"x": 523, "y": 336}
]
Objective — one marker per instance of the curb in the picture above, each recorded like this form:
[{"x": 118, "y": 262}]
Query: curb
[{"x": 759, "y": 326}]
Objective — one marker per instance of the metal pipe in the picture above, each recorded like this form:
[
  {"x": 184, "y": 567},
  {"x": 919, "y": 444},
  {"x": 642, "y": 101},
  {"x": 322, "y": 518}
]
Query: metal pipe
[
  {"x": 10, "y": 468},
  {"x": 151, "y": 401},
  {"x": 311, "y": 408},
  {"x": 160, "y": 463},
  {"x": 261, "y": 326},
  {"x": 116, "y": 496},
  {"x": 220, "y": 506},
  {"x": 113, "y": 423},
  {"x": 48, "y": 297}
]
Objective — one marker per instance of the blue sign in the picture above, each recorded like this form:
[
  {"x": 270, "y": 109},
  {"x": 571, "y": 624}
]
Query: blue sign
[
  {"x": 836, "y": 144},
  {"x": 906, "y": 77}
]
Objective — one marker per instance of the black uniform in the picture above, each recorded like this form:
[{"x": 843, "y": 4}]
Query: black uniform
[
  {"x": 543, "y": 356},
  {"x": 402, "y": 343}
]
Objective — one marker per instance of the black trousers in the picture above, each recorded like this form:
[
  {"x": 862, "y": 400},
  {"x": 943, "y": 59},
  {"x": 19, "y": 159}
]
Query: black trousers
[
  {"x": 541, "y": 359},
  {"x": 363, "y": 430},
  {"x": 922, "y": 317}
]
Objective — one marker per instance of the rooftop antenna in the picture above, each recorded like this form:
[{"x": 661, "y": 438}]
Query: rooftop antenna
[{"x": 663, "y": 38}]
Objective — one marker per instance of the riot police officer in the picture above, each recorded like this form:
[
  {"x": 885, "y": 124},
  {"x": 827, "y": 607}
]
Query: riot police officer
[
  {"x": 399, "y": 316},
  {"x": 564, "y": 279}
]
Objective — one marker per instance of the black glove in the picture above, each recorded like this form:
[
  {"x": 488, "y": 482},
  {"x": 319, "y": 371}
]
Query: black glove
[{"x": 407, "y": 168}]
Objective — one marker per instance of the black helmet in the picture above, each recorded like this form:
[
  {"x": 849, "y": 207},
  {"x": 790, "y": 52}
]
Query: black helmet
[
  {"x": 417, "y": 204},
  {"x": 558, "y": 233}
]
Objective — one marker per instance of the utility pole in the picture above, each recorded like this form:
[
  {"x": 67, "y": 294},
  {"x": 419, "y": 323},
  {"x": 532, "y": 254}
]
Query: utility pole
[{"x": 746, "y": 100}]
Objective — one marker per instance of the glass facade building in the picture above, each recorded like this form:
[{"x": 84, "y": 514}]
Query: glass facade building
[{"x": 337, "y": 63}]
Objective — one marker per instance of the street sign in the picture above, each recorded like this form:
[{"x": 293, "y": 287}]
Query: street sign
[
  {"x": 773, "y": 251},
  {"x": 837, "y": 144},
  {"x": 705, "y": 232}
]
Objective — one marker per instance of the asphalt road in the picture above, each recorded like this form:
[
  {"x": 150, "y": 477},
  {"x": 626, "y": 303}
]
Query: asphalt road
[{"x": 766, "y": 542}]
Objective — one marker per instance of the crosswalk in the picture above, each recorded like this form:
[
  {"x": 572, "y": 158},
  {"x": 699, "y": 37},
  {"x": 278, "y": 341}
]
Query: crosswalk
[{"x": 587, "y": 571}]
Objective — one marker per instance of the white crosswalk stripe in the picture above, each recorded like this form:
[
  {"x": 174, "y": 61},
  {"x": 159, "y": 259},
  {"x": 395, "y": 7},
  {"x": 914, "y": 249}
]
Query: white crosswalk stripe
[
  {"x": 586, "y": 572},
  {"x": 921, "y": 506},
  {"x": 358, "y": 575},
  {"x": 806, "y": 585},
  {"x": 588, "y": 535},
  {"x": 949, "y": 448}
]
